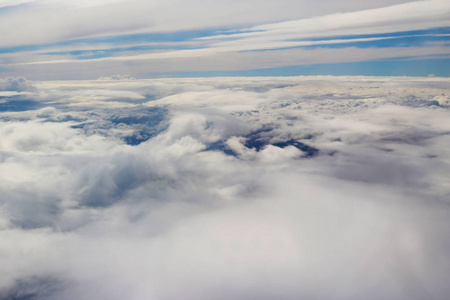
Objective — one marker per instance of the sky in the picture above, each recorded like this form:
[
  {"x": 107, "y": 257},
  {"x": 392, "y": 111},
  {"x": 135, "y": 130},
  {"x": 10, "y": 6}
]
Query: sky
[
  {"x": 53, "y": 40},
  {"x": 226, "y": 150},
  {"x": 310, "y": 187}
]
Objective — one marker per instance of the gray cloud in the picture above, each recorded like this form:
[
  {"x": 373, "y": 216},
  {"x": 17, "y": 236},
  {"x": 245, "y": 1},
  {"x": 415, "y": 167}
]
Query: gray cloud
[
  {"x": 18, "y": 84},
  {"x": 243, "y": 188},
  {"x": 55, "y": 22},
  {"x": 236, "y": 35},
  {"x": 117, "y": 77}
]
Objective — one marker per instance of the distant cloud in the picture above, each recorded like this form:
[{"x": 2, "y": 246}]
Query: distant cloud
[
  {"x": 83, "y": 19},
  {"x": 150, "y": 39},
  {"x": 420, "y": 15},
  {"x": 18, "y": 84},
  {"x": 117, "y": 77}
]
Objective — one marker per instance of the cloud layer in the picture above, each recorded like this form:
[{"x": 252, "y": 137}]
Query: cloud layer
[
  {"x": 245, "y": 188},
  {"x": 55, "y": 21},
  {"x": 84, "y": 40}
]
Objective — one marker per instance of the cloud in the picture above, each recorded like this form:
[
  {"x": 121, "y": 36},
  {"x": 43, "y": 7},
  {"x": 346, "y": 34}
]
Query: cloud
[
  {"x": 18, "y": 84},
  {"x": 419, "y": 15},
  {"x": 12, "y": 3},
  {"x": 154, "y": 66},
  {"x": 117, "y": 77},
  {"x": 397, "y": 18},
  {"x": 85, "y": 41},
  {"x": 289, "y": 187},
  {"x": 60, "y": 21}
]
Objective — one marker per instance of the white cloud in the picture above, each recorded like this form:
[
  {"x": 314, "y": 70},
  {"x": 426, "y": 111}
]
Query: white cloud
[
  {"x": 234, "y": 38},
  {"x": 228, "y": 198},
  {"x": 54, "y": 21},
  {"x": 12, "y": 3},
  {"x": 410, "y": 16},
  {"x": 265, "y": 30},
  {"x": 402, "y": 17}
]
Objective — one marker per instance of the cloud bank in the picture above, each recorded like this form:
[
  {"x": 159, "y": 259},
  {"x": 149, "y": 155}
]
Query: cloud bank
[{"x": 226, "y": 188}]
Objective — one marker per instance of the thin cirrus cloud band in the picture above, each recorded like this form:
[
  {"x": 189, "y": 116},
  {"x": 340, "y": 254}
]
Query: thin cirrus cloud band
[{"x": 415, "y": 24}]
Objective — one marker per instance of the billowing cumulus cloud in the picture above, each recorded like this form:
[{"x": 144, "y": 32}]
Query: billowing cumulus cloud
[{"x": 226, "y": 188}]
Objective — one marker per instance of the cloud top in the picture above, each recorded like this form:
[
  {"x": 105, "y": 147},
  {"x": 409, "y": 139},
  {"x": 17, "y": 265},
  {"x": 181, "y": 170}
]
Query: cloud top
[{"x": 288, "y": 187}]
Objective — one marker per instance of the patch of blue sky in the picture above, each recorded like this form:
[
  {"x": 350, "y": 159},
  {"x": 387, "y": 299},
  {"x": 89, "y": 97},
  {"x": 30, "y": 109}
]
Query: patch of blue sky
[
  {"x": 405, "y": 38},
  {"x": 161, "y": 37},
  {"x": 12, "y": 8},
  {"x": 387, "y": 42},
  {"x": 177, "y": 36},
  {"x": 436, "y": 56},
  {"x": 95, "y": 55},
  {"x": 84, "y": 54},
  {"x": 25, "y": 48},
  {"x": 420, "y": 67},
  {"x": 406, "y": 41}
]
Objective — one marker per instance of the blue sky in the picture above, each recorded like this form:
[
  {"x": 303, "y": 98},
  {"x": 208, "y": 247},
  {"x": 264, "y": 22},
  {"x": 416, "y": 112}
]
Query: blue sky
[{"x": 45, "y": 39}]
